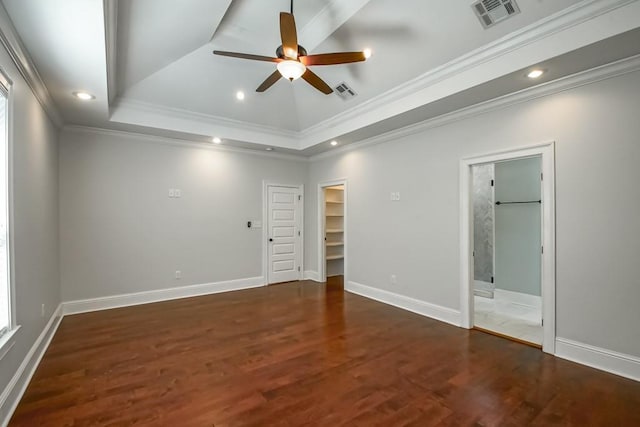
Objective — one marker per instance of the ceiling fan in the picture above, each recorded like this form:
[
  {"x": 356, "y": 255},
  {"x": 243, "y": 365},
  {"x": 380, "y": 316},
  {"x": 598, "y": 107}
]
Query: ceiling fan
[{"x": 292, "y": 59}]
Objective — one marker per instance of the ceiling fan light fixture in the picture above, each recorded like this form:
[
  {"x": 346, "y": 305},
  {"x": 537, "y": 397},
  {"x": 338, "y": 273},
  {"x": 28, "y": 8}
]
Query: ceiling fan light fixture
[
  {"x": 291, "y": 70},
  {"x": 367, "y": 53}
]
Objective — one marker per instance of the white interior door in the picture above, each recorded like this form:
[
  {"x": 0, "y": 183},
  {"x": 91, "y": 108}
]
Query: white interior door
[{"x": 284, "y": 234}]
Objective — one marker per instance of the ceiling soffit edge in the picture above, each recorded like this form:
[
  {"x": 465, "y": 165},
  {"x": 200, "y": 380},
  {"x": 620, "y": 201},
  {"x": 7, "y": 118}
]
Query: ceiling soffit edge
[
  {"x": 111, "y": 43},
  {"x": 594, "y": 75},
  {"x": 283, "y": 138},
  {"x": 147, "y": 137},
  {"x": 23, "y": 62},
  {"x": 202, "y": 117}
]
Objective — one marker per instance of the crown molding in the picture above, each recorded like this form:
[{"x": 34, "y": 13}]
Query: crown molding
[
  {"x": 558, "y": 22},
  {"x": 145, "y": 137},
  {"x": 608, "y": 71},
  {"x": 23, "y": 62},
  {"x": 207, "y": 124},
  {"x": 111, "y": 42}
]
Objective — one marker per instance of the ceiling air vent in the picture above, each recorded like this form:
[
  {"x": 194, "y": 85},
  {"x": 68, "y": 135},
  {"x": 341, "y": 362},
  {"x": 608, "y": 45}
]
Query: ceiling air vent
[
  {"x": 490, "y": 12},
  {"x": 344, "y": 91}
]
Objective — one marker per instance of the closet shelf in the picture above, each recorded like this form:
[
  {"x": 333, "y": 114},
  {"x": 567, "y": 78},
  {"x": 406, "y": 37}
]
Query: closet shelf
[
  {"x": 334, "y": 257},
  {"x": 335, "y": 216},
  {"x": 335, "y": 243},
  {"x": 334, "y": 230},
  {"x": 332, "y": 202}
]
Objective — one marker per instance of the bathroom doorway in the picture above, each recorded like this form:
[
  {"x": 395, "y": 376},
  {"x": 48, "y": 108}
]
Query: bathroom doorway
[
  {"x": 508, "y": 278},
  {"x": 507, "y": 227}
]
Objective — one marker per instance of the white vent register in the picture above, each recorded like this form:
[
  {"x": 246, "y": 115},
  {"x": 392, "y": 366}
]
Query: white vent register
[
  {"x": 344, "y": 91},
  {"x": 490, "y": 12}
]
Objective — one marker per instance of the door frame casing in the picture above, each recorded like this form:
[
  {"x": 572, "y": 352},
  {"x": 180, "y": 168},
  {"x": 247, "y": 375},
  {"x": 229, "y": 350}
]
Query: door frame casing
[
  {"x": 548, "y": 258},
  {"x": 265, "y": 228},
  {"x": 322, "y": 271}
]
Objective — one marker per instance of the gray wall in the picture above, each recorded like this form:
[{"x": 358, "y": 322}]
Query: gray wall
[
  {"x": 121, "y": 233},
  {"x": 483, "y": 222},
  {"x": 596, "y": 131},
  {"x": 518, "y": 226},
  {"x": 35, "y": 220}
]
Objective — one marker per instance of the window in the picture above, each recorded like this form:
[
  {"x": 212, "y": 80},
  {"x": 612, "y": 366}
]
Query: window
[{"x": 5, "y": 271}]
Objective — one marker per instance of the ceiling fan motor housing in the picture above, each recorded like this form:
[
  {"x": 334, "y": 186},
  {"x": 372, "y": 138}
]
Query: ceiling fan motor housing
[{"x": 280, "y": 52}]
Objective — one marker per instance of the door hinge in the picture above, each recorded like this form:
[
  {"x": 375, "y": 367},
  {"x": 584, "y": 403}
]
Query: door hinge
[
  {"x": 541, "y": 176},
  {"x": 472, "y": 253},
  {"x": 491, "y": 279},
  {"x": 542, "y": 322},
  {"x": 298, "y": 268},
  {"x": 298, "y": 233},
  {"x": 543, "y": 249},
  {"x": 299, "y": 197},
  {"x": 492, "y": 183}
]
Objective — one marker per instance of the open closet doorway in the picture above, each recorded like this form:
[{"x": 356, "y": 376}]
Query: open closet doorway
[
  {"x": 332, "y": 232},
  {"x": 508, "y": 245}
]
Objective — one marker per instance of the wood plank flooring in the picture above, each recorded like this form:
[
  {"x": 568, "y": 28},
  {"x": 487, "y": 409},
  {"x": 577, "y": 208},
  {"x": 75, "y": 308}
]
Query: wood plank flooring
[{"x": 305, "y": 354}]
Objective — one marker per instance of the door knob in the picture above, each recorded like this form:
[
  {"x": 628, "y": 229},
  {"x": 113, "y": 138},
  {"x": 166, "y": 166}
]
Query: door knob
[{"x": 270, "y": 239}]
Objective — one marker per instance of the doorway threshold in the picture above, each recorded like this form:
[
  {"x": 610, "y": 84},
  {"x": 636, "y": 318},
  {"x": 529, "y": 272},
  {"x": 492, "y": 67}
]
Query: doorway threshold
[{"x": 498, "y": 334}]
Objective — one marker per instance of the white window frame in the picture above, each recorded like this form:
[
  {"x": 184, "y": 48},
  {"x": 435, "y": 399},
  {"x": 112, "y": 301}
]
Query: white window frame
[{"x": 6, "y": 342}]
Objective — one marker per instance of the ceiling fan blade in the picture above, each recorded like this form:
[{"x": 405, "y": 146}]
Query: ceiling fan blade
[
  {"x": 332, "y": 58},
  {"x": 247, "y": 56},
  {"x": 289, "y": 35},
  {"x": 315, "y": 81},
  {"x": 269, "y": 81}
]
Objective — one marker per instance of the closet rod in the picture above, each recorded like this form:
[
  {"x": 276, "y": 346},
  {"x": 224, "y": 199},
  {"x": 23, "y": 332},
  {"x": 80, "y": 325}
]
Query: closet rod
[{"x": 517, "y": 203}]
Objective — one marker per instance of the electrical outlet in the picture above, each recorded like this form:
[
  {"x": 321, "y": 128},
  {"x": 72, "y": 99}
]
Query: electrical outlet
[
  {"x": 178, "y": 274},
  {"x": 394, "y": 280},
  {"x": 42, "y": 311},
  {"x": 178, "y": 193},
  {"x": 172, "y": 193},
  {"x": 395, "y": 196}
]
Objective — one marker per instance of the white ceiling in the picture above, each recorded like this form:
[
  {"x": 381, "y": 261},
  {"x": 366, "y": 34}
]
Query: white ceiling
[{"x": 168, "y": 81}]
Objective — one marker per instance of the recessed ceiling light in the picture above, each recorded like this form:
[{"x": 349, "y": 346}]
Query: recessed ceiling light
[
  {"x": 240, "y": 95},
  {"x": 85, "y": 96},
  {"x": 367, "y": 53},
  {"x": 269, "y": 149},
  {"x": 334, "y": 143},
  {"x": 216, "y": 140},
  {"x": 534, "y": 74}
]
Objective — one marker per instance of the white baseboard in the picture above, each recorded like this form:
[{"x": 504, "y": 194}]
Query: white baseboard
[
  {"x": 312, "y": 275},
  {"x": 16, "y": 387},
  {"x": 621, "y": 364},
  {"x": 517, "y": 298},
  {"x": 433, "y": 311},
  {"x": 126, "y": 300}
]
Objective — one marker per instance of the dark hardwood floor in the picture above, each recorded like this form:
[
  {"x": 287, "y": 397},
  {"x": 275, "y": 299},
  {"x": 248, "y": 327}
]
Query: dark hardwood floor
[{"x": 305, "y": 354}]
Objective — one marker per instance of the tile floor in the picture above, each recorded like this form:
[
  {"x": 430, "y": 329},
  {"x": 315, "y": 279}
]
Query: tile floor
[{"x": 509, "y": 318}]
